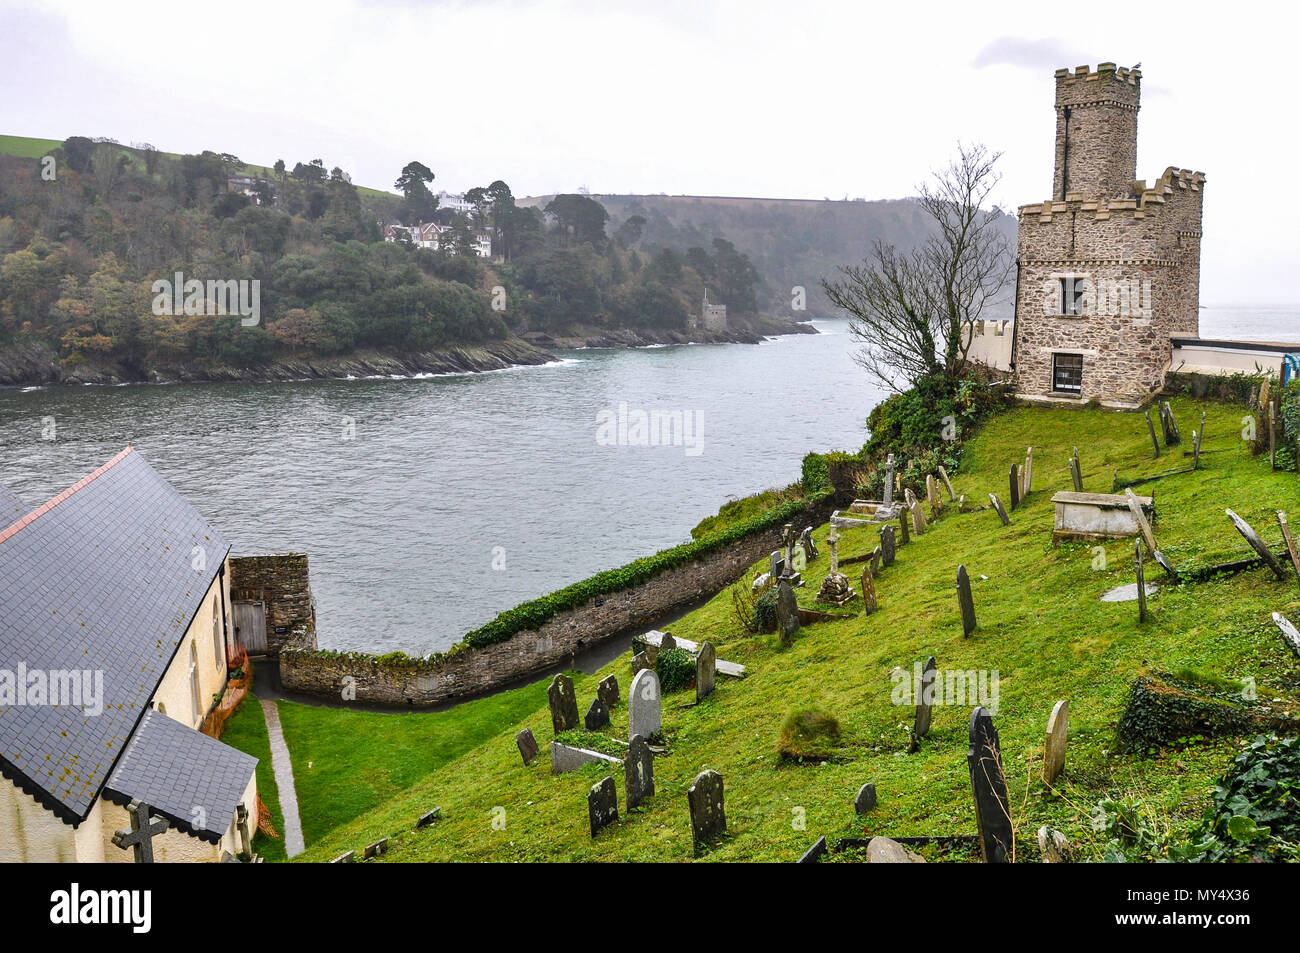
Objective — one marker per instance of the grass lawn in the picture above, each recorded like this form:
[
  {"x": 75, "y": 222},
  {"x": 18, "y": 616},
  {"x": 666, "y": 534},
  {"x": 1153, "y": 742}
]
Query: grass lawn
[
  {"x": 26, "y": 147},
  {"x": 246, "y": 730},
  {"x": 1041, "y": 627}
]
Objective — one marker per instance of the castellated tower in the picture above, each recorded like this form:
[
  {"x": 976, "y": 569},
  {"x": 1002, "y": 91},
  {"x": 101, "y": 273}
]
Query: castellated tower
[{"x": 1109, "y": 268}]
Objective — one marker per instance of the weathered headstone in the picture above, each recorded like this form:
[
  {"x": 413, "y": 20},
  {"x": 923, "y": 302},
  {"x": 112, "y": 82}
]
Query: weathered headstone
[
  {"x": 1290, "y": 543},
  {"x": 1014, "y": 482},
  {"x": 889, "y": 481},
  {"x": 865, "y": 799},
  {"x": 1141, "y": 581},
  {"x": 1076, "y": 477},
  {"x": 638, "y": 771},
  {"x": 952, "y": 495},
  {"x": 1289, "y": 633},
  {"x": 1196, "y": 450},
  {"x": 809, "y": 547},
  {"x": 998, "y": 508},
  {"x": 1169, "y": 425},
  {"x": 1054, "y": 846},
  {"x": 1027, "y": 478},
  {"x": 607, "y": 691},
  {"x": 667, "y": 643},
  {"x": 527, "y": 745},
  {"x": 706, "y": 664},
  {"x": 787, "y": 611},
  {"x": 640, "y": 661},
  {"x": 932, "y": 491},
  {"x": 1258, "y": 545},
  {"x": 814, "y": 853},
  {"x": 643, "y": 700},
  {"x": 708, "y": 813},
  {"x": 597, "y": 716},
  {"x": 887, "y": 550},
  {"x": 903, "y": 519},
  {"x": 874, "y": 562},
  {"x": 428, "y": 817},
  {"x": 909, "y": 498},
  {"x": 566, "y": 758},
  {"x": 965, "y": 601},
  {"x": 989, "y": 787},
  {"x": 775, "y": 564},
  {"x": 602, "y": 805},
  {"x": 924, "y": 702},
  {"x": 869, "y": 601},
  {"x": 884, "y": 850},
  {"x": 1148, "y": 535},
  {"x": 918, "y": 519},
  {"x": 1054, "y": 746},
  {"x": 1151, "y": 429},
  {"x": 564, "y": 704}
]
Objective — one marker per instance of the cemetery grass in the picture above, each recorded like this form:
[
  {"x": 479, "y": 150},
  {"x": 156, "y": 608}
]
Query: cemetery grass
[
  {"x": 1040, "y": 625},
  {"x": 246, "y": 730}
]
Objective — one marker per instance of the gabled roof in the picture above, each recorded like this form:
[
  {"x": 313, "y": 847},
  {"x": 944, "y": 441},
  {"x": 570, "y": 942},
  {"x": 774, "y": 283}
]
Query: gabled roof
[
  {"x": 192, "y": 780},
  {"x": 12, "y": 507},
  {"x": 105, "y": 578}
]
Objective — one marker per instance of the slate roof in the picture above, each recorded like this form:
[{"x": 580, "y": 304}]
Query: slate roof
[
  {"x": 12, "y": 507},
  {"x": 194, "y": 781},
  {"x": 101, "y": 578}
]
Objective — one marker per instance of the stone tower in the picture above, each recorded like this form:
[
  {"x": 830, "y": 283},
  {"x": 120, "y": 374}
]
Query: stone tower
[{"x": 1108, "y": 269}]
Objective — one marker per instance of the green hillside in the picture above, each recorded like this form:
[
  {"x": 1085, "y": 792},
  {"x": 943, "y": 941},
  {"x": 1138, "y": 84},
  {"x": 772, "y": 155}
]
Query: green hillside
[{"x": 1041, "y": 627}]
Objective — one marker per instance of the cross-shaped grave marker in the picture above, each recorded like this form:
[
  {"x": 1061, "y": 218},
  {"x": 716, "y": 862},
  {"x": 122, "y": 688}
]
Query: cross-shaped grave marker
[{"x": 143, "y": 830}]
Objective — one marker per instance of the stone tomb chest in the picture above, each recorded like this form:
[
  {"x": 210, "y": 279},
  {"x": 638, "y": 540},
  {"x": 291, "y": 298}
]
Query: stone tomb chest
[{"x": 1097, "y": 515}]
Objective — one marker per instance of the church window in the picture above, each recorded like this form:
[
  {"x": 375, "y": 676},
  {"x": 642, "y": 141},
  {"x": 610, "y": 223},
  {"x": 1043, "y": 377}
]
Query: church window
[{"x": 1067, "y": 373}]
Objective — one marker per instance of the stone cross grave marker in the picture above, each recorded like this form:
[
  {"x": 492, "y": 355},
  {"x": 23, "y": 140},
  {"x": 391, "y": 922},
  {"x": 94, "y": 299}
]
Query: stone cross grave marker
[
  {"x": 918, "y": 519},
  {"x": 1151, "y": 429},
  {"x": 903, "y": 519},
  {"x": 1290, "y": 543},
  {"x": 602, "y": 805},
  {"x": 952, "y": 495},
  {"x": 965, "y": 601},
  {"x": 924, "y": 702},
  {"x": 1141, "y": 581},
  {"x": 999, "y": 509},
  {"x": 143, "y": 830},
  {"x": 607, "y": 691},
  {"x": 527, "y": 745},
  {"x": 989, "y": 786},
  {"x": 787, "y": 543},
  {"x": 708, "y": 813},
  {"x": 889, "y": 481},
  {"x": 869, "y": 602},
  {"x": 597, "y": 716},
  {"x": 564, "y": 704},
  {"x": 787, "y": 611},
  {"x": 638, "y": 771},
  {"x": 1054, "y": 746},
  {"x": 887, "y": 545},
  {"x": 706, "y": 664},
  {"x": 832, "y": 542},
  {"x": 1258, "y": 545},
  {"x": 1014, "y": 481},
  {"x": 643, "y": 705},
  {"x": 1289, "y": 633}
]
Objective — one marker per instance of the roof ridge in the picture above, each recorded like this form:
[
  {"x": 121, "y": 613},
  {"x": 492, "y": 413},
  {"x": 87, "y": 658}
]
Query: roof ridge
[{"x": 55, "y": 501}]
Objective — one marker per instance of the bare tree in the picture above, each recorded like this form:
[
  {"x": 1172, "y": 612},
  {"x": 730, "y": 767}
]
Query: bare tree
[{"x": 914, "y": 312}]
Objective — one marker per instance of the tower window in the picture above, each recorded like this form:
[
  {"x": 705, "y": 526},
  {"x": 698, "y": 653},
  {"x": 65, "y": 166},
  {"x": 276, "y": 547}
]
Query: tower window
[
  {"x": 1071, "y": 296},
  {"x": 1067, "y": 373}
]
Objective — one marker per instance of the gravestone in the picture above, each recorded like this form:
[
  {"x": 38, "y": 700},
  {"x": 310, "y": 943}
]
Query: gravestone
[
  {"x": 989, "y": 787},
  {"x": 889, "y": 481},
  {"x": 566, "y": 758},
  {"x": 1015, "y": 487},
  {"x": 706, "y": 664},
  {"x": 918, "y": 519},
  {"x": 813, "y": 853},
  {"x": 527, "y": 745},
  {"x": 638, "y": 771},
  {"x": 640, "y": 661},
  {"x": 909, "y": 498},
  {"x": 643, "y": 700},
  {"x": 564, "y": 704},
  {"x": 869, "y": 602},
  {"x": 775, "y": 564},
  {"x": 607, "y": 691},
  {"x": 428, "y": 817},
  {"x": 997, "y": 506},
  {"x": 874, "y": 562},
  {"x": 667, "y": 643},
  {"x": 1258, "y": 545},
  {"x": 1290, "y": 543},
  {"x": 1151, "y": 429},
  {"x": 806, "y": 541},
  {"x": 1289, "y": 633},
  {"x": 602, "y": 805},
  {"x": 924, "y": 702},
  {"x": 1169, "y": 425},
  {"x": 787, "y": 611},
  {"x": 708, "y": 813},
  {"x": 961, "y": 503},
  {"x": 932, "y": 491},
  {"x": 887, "y": 549},
  {"x": 597, "y": 716},
  {"x": 952, "y": 495},
  {"x": 1054, "y": 746},
  {"x": 1028, "y": 476},
  {"x": 1075, "y": 476},
  {"x": 965, "y": 601},
  {"x": 143, "y": 830},
  {"x": 1144, "y": 528},
  {"x": 884, "y": 850},
  {"x": 1054, "y": 846},
  {"x": 865, "y": 799},
  {"x": 1141, "y": 581},
  {"x": 903, "y": 520},
  {"x": 1196, "y": 450}
]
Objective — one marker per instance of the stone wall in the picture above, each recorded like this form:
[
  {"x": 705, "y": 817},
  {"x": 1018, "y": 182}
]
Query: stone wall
[
  {"x": 281, "y": 581},
  {"x": 1096, "y": 131},
  {"x": 466, "y": 671}
]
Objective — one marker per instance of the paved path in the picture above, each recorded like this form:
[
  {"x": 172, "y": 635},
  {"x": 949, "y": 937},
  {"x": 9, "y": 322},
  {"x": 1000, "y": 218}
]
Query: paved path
[{"x": 283, "y": 769}]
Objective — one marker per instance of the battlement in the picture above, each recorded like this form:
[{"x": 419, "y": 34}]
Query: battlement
[
  {"x": 1104, "y": 74},
  {"x": 1143, "y": 201}
]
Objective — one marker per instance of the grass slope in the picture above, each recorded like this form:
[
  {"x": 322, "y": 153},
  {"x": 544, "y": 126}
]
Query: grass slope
[
  {"x": 246, "y": 730},
  {"x": 1041, "y": 627}
]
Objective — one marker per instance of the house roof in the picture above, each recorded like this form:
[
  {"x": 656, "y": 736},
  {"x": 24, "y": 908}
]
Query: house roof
[
  {"x": 12, "y": 506},
  {"x": 105, "y": 578},
  {"x": 194, "y": 781}
]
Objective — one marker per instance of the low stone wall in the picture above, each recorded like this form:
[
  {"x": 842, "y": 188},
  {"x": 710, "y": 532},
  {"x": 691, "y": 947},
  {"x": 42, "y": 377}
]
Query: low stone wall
[
  {"x": 281, "y": 581},
  {"x": 468, "y": 671}
]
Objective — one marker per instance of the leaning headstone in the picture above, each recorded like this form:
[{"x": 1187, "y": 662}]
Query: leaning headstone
[
  {"x": 1140, "y": 517},
  {"x": 932, "y": 491},
  {"x": 597, "y": 716},
  {"x": 918, "y": 519},
  {"x": 1196, "y": 450},
  {"x": 903, "y": 519},
  {"x": 706, "y": 664},
  {"x": 787, "y": 611},
  {"x": 998, "y": 508},
  {"x": 708, "y": 813},
  {"x": 643, "y": 705},
  {"x": 427, "y": 818},
  {"x": 1075, "y": 477},
  {"x": 869, "y": 600},
  {"x": 527, "y": 745},
  {"x": 924, "y": 702},
  {"x": 883, "y": 850},
  {"x": 965, "y": 601},
  {"x": 1170, "y": 425},
  {"x": 806, "y": 540},
  {"x": 1054, "y": 846},
  {"x": 813, "y": 853},
  {"x": 1141, "y": 581},
  {"x": 607, "y": 691},
  {"x": 909, "y": 498},
  {"x": 952, "y": 495},
  {"x": 865, "y": 799},
  {"x": 1014, "y": 482},
  {"x": 1290, "y": 543},
  {"x": 638, "y": 771},
  {"x": 1028, "y": 476},
  {"x": 989, "y": 787},
  {"x": 1151, "y": 429},
  {"x": 1054, "y": 747},
  {"x": 874, "y": 562},
  {"x": 1258, "y": 545},
  {"x": 887, "y": 550},
  {"x": 1289, "y": 633},
  {"x": 564, "y": 704},
  {"x": 602, "y": 805}
]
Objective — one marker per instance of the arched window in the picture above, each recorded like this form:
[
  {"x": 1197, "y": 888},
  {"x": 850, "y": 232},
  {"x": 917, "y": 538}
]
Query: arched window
[
  {"x": 218, "y": 633},
  {"x": 194, "y": 683}
]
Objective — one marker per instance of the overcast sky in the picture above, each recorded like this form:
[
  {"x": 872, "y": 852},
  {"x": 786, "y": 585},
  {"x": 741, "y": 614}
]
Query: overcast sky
[{"x": 802, "y": 99}]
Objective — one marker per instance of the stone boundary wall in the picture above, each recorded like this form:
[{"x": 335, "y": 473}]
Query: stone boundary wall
[
  {"x": 468, "y": 671},
  {"x": 281, "y": 581}
]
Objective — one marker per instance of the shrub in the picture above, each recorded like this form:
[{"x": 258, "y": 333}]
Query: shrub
[
  {"x": 675, "y": 668},
  {"x": 808, "y": 736},
  {"x": 765, "y": 611}
]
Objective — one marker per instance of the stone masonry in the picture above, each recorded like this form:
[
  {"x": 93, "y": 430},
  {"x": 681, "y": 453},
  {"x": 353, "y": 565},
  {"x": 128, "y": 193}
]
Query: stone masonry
[
  {"x": 1109, "y": 267},
  {"x": 281, "y": 581}
]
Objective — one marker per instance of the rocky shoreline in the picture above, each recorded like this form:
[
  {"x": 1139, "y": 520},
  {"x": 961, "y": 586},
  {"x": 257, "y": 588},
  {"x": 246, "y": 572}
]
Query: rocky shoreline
[{"x": 754, "y": 332}]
